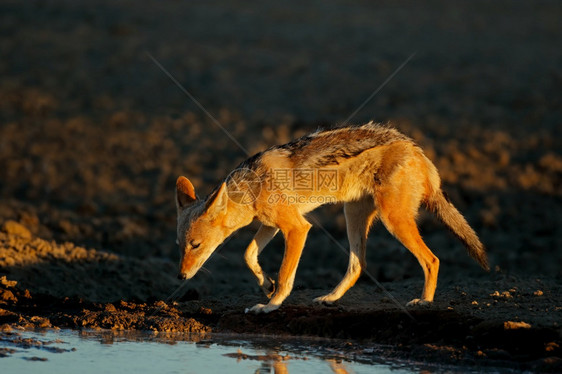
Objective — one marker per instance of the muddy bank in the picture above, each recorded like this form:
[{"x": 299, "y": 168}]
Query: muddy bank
[
  {"x": 504, "y": 321},
  {"x": 447, "y": 335}
]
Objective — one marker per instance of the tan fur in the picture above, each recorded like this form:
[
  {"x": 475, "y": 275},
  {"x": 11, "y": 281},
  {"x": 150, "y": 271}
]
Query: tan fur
[{"x": 377, "y": 172}]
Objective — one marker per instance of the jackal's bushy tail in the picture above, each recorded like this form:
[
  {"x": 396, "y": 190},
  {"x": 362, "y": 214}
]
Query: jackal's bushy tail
[{"x": 455, "y": 221}]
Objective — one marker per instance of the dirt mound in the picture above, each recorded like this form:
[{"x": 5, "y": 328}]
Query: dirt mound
[{"x": 65, "y": 270}]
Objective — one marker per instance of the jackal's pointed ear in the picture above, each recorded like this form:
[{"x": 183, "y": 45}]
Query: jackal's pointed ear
[
  {"x": 218, "y": 201},
  {"x": 185, "y": 192}
]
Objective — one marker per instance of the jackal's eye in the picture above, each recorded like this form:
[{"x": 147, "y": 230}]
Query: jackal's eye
[{"x": 194, "y": 245}]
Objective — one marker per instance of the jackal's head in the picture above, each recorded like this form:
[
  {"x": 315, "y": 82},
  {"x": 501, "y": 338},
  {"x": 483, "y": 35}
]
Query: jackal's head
[{"x": 201, "y": 225}]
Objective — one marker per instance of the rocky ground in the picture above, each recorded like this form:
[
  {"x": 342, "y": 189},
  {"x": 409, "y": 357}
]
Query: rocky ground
[{"x": 93, "y": 135}]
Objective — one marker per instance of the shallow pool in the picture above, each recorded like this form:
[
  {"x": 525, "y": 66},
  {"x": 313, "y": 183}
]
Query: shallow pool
[{"x": 69, "y": 351}]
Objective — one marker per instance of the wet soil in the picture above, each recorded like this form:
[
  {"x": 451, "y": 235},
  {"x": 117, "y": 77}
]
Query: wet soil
[
  {"x": 93, "y": 135},
  {"x": 502, "y": 322}
]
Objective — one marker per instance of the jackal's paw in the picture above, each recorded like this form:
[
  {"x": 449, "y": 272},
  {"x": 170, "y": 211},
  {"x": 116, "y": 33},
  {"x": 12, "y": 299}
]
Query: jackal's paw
[
  {"x": 419, "y": 302},
  {"x": 325, "y": 300},
  {"x": 268, "y": 287},
  {"x": 261, "y": 308}
]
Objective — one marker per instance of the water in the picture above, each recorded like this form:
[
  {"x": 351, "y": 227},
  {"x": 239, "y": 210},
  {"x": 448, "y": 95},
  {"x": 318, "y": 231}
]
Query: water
[
  {"x": 84, "y": 352},
  {"x": 67, "y": 351}
]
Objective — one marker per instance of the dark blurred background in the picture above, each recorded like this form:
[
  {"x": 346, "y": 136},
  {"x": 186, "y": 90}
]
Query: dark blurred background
[{"x": 93, "y": 133}]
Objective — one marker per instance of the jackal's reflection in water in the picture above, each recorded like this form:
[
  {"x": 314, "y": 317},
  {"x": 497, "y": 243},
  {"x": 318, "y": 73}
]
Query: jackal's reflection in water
[{"x": 273, "y": 362}]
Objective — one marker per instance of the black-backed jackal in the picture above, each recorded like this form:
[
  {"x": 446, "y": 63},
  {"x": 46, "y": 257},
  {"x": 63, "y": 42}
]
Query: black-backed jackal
[{"x": 374, "y": 170}]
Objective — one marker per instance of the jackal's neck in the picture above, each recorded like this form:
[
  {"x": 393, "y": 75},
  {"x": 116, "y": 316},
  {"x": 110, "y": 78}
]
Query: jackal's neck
[{"x": 238, "y": 215}]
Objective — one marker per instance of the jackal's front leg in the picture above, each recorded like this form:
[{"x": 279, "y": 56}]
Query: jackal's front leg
[
  {"x": 262, "y": 237},
  {"x": 295, "y": 237}
]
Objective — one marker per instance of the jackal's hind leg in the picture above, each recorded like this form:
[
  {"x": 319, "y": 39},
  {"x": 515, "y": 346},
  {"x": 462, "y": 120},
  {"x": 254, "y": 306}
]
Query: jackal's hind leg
[
  {"x": 402, "y": 225},
  {"x": 262, "y": 237},
  {"x": 358, "y": 216}
]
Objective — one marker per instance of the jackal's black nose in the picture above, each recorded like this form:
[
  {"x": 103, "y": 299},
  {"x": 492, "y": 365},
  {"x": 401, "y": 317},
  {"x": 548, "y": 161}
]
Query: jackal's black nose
[{"x": 182, "y": 276}]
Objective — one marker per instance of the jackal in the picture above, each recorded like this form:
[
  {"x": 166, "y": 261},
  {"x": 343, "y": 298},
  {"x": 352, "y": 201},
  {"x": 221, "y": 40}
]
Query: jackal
[{"x": 376, "y": 171}]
